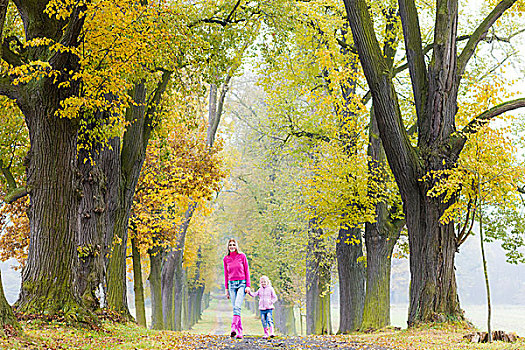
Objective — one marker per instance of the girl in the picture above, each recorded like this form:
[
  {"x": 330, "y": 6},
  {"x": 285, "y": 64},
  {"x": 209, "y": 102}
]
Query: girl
[
  {"x": 266, "y": 299},
  {"x": 236, "y": 282}
]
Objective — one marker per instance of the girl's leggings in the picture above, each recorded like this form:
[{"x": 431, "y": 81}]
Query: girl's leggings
[{"x": 267, "y": 318}]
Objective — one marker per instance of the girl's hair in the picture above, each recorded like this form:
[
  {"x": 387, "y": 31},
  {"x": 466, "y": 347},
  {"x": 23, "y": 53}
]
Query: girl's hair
[
  {"x": 264, "y": 277},
  {"x": 228, "y": 246}
]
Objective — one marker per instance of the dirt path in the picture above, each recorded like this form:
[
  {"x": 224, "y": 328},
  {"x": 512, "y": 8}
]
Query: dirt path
[
  {"x": 299, "y": 342},
  {"x": 221, "y": 325}
]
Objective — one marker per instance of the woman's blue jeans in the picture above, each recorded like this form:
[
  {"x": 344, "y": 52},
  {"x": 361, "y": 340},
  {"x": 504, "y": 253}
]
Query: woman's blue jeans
[
  {"x": 267, "y": 318},
  {"x": 237, "y": 292}
]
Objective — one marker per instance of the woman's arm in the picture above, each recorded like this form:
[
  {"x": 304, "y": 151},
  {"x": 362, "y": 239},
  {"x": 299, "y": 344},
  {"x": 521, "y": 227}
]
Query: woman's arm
[
  {"x": 225, "y": 276},
  {"x": 246, "y": 271}
]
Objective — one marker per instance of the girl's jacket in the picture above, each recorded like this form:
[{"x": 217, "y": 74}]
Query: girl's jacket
[{"x": 266, "y": 297}]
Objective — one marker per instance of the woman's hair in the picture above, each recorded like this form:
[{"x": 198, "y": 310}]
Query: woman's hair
[
  {"x": 264, "y": 277},
  {"x": 228, "y": 246}
]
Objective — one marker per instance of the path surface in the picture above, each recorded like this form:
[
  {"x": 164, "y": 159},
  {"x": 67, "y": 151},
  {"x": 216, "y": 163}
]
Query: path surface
[{"x": 304, "y": 342}]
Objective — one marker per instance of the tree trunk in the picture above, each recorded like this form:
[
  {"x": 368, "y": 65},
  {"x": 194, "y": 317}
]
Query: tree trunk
[
  {"x": 48, "y": 279},
  {"x": 156, "y": 258},
  {"x": 380, "y": 239},
  {"x": 8, "y": 323},
  {"x": 172, "y": 277},
  {"x": 206, "y": 301},
  {"x": 138, "y": 287},
  {"x": 91, "y": 227},
  {"x": 132, "y": 157},
  {"x": 433, "y": 290},
  {"x": 349, "y": 250},
  {"x": 186, "y": 306},
  {"x": 379, "y": 248},
  {"x": 318, "y": 320},
  {"x": 200, "y": 305},
  {"x": 284, "y": 318}
]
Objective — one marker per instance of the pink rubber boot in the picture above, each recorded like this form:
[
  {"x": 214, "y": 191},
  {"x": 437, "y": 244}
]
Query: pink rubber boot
[
  {"x": 235, "y": 320},
  {"x": 272, "y": 334},
  {"x": 266, "y": 335},
  {"x": 239, "y": 328}
]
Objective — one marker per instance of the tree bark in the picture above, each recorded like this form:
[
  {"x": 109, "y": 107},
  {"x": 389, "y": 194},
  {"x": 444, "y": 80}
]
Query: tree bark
[
  {"x": 91, "y": 228},
  {"x": 156, "y": 257},
  {"x": 138, "y": 286},
  {"x": 172, "y": 277},
  {"x": 349, "y": 249},
  {"x": 284, "y": 318},
  {"x": 380, "y": 239},
  {"x": 48, "y": 278},
  {"x": 318, "y": 320}
]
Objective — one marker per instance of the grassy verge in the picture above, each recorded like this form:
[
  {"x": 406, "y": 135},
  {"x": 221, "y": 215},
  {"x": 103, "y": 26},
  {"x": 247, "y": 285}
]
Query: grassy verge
[{"x": 431, "y": 337}]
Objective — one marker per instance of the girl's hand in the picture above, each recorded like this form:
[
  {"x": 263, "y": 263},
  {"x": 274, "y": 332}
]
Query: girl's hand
[
  {"x": 227, "y": 294},
  {"x": 247, "y": 290}
]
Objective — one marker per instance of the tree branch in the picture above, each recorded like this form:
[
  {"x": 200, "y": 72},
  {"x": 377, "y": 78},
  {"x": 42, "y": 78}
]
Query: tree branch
[
  {"x": 155, "y": 99},
  {"x": 11, "y": 183},
  {"x": 17, "y": 193},
  {"x": 400, "y": 153},
  {"x": 458, "y": 141},
  {"x": 415, "y": 53},
  {"x": 486, "y": 116},
  {"x": 480, "y": 33}
]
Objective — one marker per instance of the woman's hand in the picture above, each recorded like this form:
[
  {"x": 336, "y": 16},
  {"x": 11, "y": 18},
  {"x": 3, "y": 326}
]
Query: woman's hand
[
  {"x": 247, "y": 290},
  {"x": 227, "y": 294}
]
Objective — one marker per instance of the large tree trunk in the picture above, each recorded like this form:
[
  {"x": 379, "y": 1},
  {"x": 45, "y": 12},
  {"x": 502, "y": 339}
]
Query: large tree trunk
[
  {"x": 8, "y": 322},
  {"x": 133, "y": 153},
  {"x": 380, "y": 239},
  {"x": 138, "y": 287},
  {"x": 91, "y": 228},
  {"x": 318, "y": 320},
  {"x": 53, "y": 183},
  {"x": 48, "y": 279},
  {"x": 349, "y": 250},
  {"x": 156, "y": 258},
  {"x": 433, "y": 290}
]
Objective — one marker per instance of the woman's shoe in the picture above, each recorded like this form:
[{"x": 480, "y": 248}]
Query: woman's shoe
[
  {"x": 234, "y": 325},
  {"x": 239, "y": 328}
]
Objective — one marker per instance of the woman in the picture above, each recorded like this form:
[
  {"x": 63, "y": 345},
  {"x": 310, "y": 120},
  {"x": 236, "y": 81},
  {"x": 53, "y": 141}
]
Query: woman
[{"x": 237, "y": 283}]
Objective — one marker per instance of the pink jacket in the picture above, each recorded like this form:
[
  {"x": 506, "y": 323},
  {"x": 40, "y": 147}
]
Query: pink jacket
[
  {"x": 236, "y": 268},
  {"x": 266, "y": 297}
]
